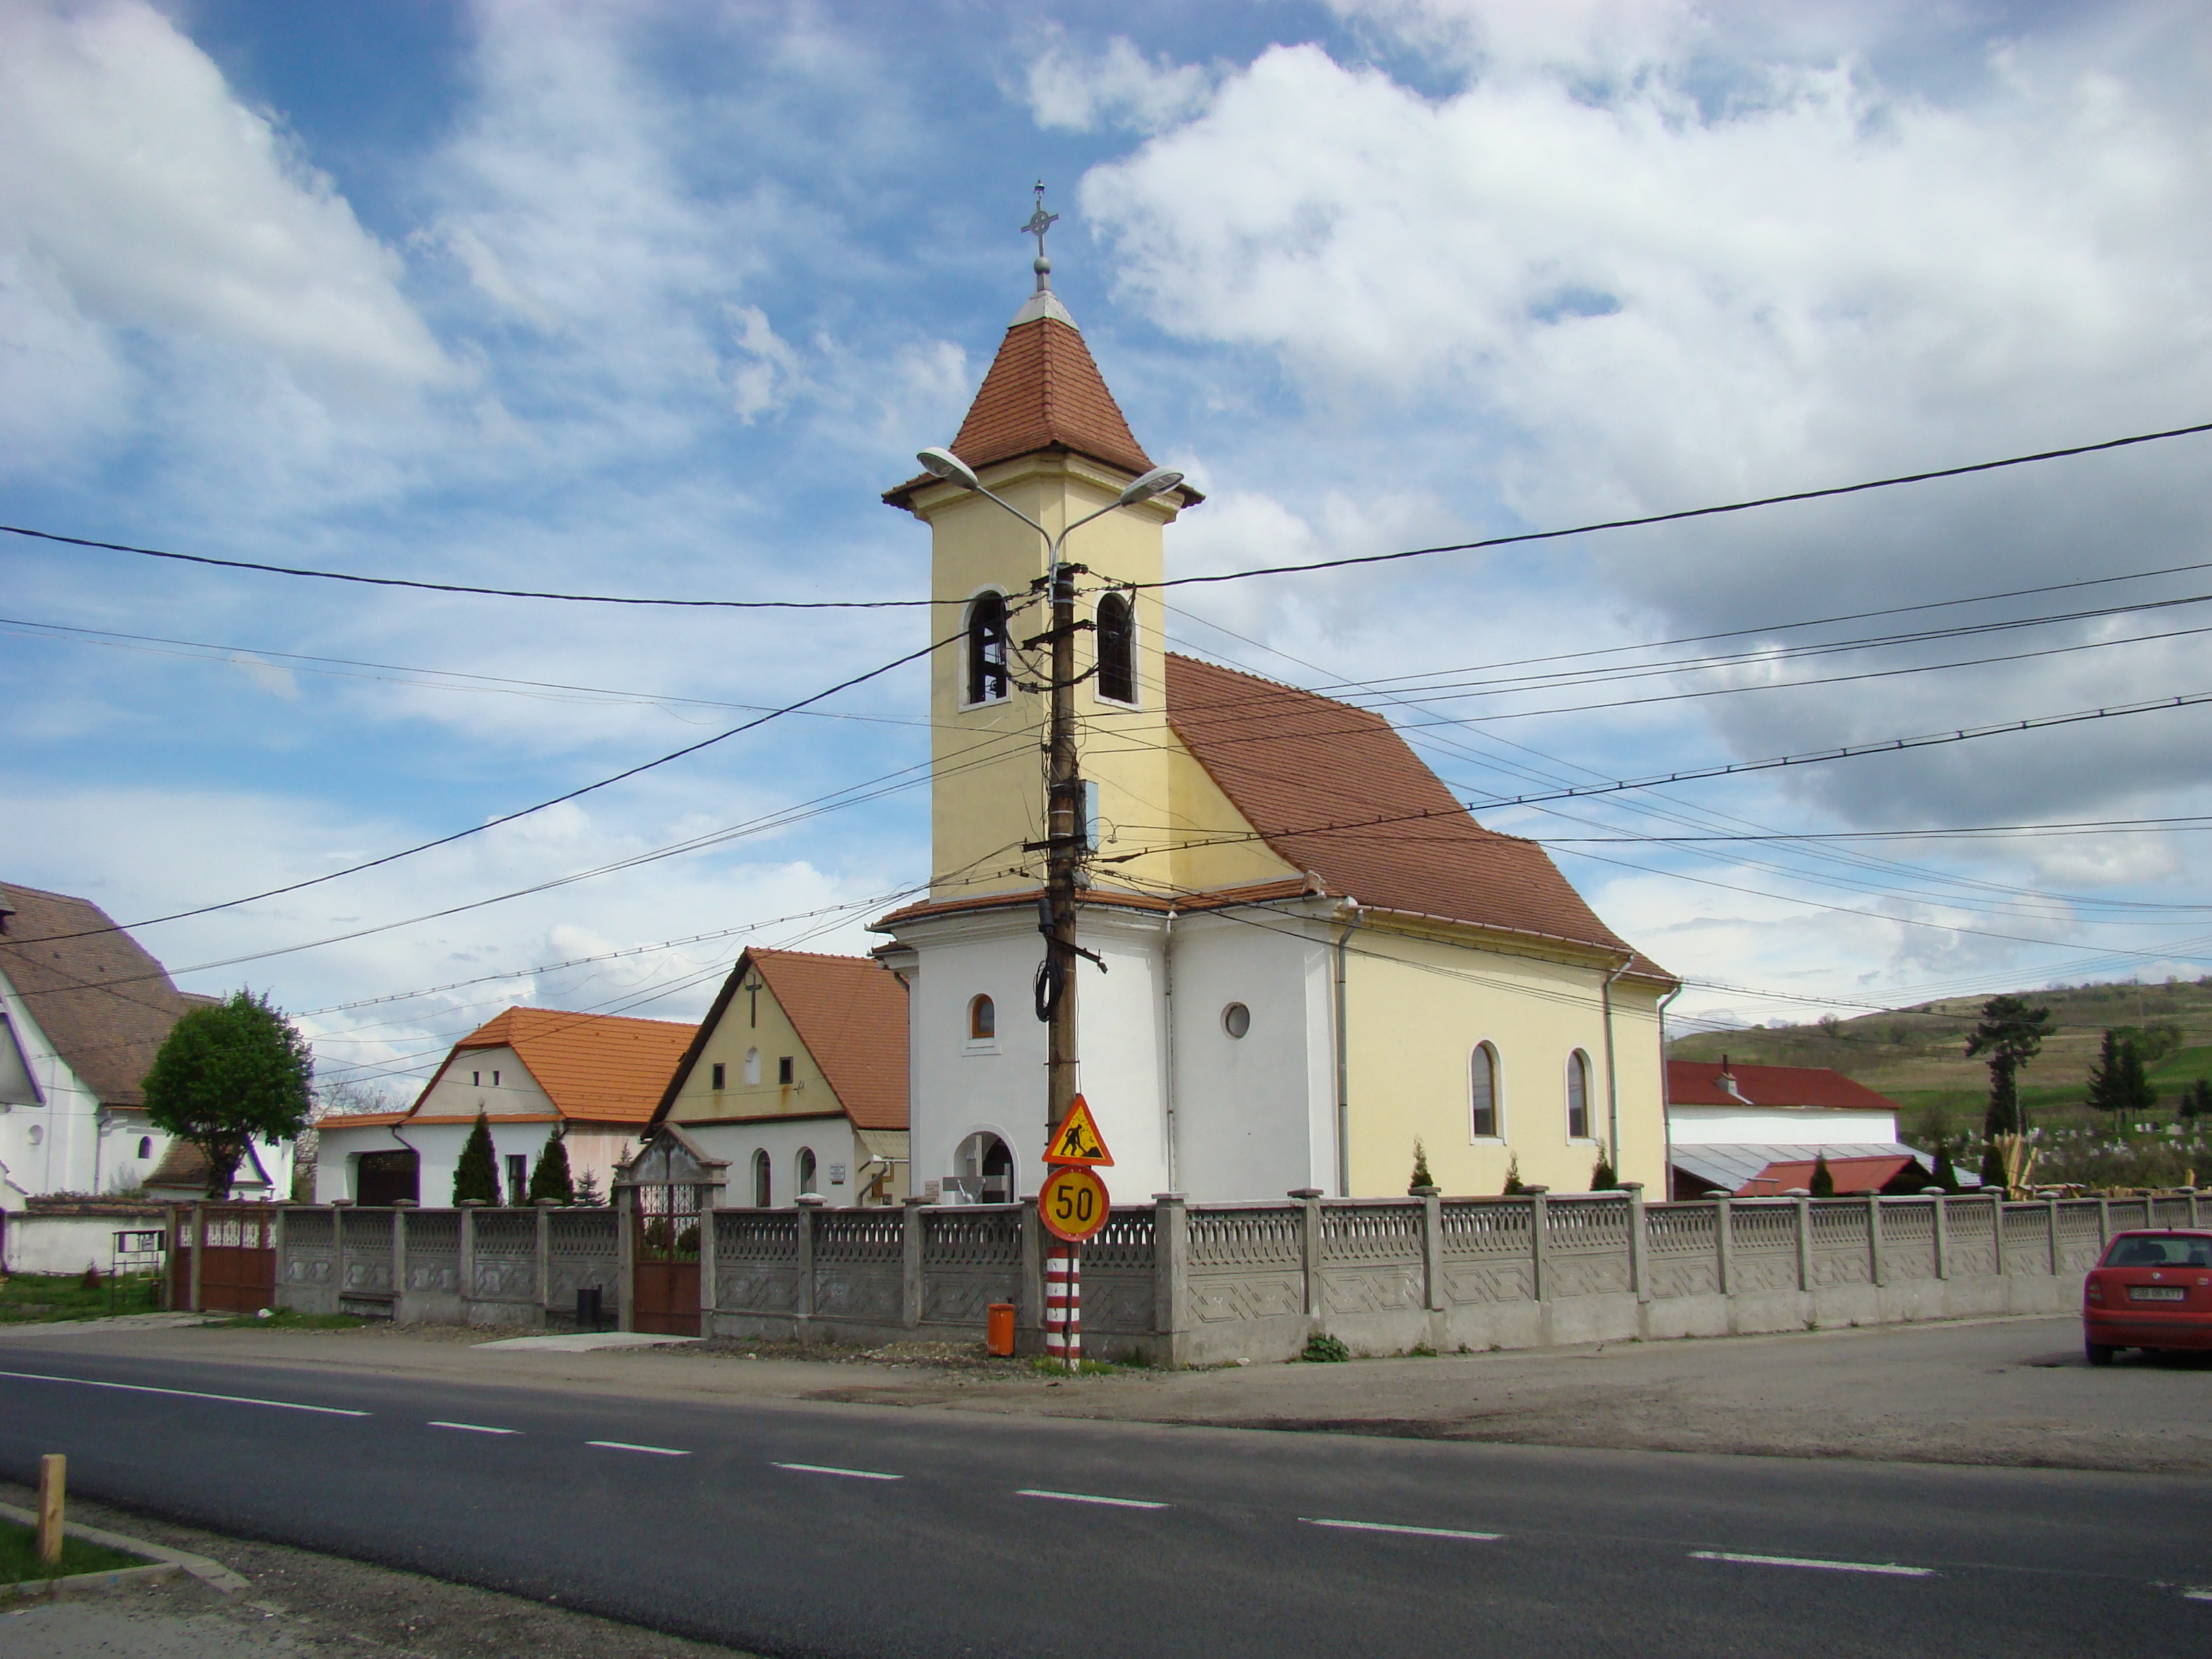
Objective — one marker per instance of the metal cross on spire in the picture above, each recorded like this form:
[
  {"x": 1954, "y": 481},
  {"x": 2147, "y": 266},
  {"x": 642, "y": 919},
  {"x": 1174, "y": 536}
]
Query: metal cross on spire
[{"x": 1041, "y": 221}]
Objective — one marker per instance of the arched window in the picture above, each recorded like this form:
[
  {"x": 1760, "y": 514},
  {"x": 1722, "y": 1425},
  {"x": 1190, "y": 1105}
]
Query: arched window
[
  {"x": 806, "y": 1169},
  {"x": 1482, "y": 1092},
  {"x": 1578, "y": 1073},
  {"x": 986, "y": 648},
  {"x": 983, "y": 1019},
  {"x": 752, "y": 1065},
  {"x": 761, "y": 1194},
  {"x": 1117, "y": 648},
  {"x": 145, "y": 1146}
]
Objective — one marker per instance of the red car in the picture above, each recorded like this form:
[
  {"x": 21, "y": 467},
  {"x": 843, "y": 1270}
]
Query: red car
[{"x": 2153, "y": 1289}]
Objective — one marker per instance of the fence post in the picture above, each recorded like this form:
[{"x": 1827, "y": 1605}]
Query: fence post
[
  {"x": 1432, "y": 1251},
  {"x": 277, "y": 1277},
  {"x": 468, "y": 1207},
  {"x": 625, "y": 1257},
  {"x": 199, "y": 1252},
  {"x": 1640, "y": 1242},
  {"x": 911, "y": 1222},
  {"x": 1170, "y": 1266},
  {"x": 1310, "y": 1198},
  {"x": 2054, "y": 1237},
  {"x": 1997, "y": 1228},
  {"x": 1804, "y": 1244},
  {"x": 1724, "y": 1243},
  {"x": 2103, "y": 1238},
  {"x": 1540, "y": 1241},
  {"x": 810, "y": 1205},
  {"x": 399, "y": 1211},
  {"x": 1941, "y": 1229},
  {"x": 1874, "y": 1262},
  {"x": 709, "y": 1290},
  {"x": 338, "y": 1258},
  {"x": 545, "y": 1257},
  {"x": 1030, "y": 1293}
]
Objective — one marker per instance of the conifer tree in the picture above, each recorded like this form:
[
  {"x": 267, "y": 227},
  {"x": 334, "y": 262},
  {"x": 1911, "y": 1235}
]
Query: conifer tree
[
  {"x": 1823, "y": 1184},
  {"x": 2197, "y": 1099},
  {"x": 1603, "y": 1178},
  {"x": 2011, "y": 1034},
  {"x": 476, "y": 1174},
  {"x": 1421, "y": 1176},
  {"x": 1513, "y": 1183},
  {"x": 2117, "y": 1080},
  {"x": 550, "y": 1179},
  {"x": 1944, "y": 1174}
]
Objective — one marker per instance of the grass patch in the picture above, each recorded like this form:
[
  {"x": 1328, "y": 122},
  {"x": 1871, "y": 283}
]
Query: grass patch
[
  {"x": 19, "y": 1556},
  {"x": 1322, "y": 1349},
  {"x": 1046, "y": 1367},
  {"x": 42, "y": 1299}
]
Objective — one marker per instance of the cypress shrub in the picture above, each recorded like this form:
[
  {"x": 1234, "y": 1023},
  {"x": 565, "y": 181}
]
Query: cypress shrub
[
  {"x": 1823, "y": 1184},
  {"x": 550, "y": 1179},
  {"x": 476, "y": 1174}
]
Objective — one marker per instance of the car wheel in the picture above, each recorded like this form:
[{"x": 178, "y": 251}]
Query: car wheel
[{"x": 2098, "y": 1354}]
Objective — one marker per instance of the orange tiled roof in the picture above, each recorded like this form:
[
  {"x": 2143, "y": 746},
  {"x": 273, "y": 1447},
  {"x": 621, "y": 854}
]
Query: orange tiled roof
[
  {"x": 851, "y": 1014},
  {"x": 1288, "y": 760},
  {"x": 601, "y": 1068}
]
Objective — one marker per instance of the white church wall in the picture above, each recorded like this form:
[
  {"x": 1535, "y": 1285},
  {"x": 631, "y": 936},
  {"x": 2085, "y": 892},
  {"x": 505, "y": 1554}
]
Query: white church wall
[
  {"x": 962, "y": 1087},
  {"x": 52, "y": 1145},
  {"x": 837, "y": 1157},
  {"x": 1120, "y": 1028}
]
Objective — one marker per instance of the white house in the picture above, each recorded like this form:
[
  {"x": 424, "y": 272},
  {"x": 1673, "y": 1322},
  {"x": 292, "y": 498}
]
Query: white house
[
  {"x": 1757, "y": 1130},
  {"x": 83, "y": 1011},
  {"x": 797, "y": 1081},
  {"x": 595, "y": 1077}
]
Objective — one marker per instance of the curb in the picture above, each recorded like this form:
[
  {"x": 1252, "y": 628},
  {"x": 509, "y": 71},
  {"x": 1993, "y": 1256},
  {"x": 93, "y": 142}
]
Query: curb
[{"x": 162, "y": 1563}]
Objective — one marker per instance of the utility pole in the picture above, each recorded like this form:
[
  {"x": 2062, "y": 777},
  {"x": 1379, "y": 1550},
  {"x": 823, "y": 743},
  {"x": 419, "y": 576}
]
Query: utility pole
[{"x": 1064, "y": 849}]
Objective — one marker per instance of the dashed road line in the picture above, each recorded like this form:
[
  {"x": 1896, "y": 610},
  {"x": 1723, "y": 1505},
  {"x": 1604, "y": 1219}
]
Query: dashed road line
[
  {"x": 824, "y": 1469},
  {"x": 1091, "y": 1497},
  {"x": 625, "y": 1445},
  {"x": 1416, "y": 1532},
  {"x": 186, "y": 1393},
  {"x": 473, "y": 1428},
  {"x": 2197, "y": 1596},
  {"x": 1889, "y": 1569}
]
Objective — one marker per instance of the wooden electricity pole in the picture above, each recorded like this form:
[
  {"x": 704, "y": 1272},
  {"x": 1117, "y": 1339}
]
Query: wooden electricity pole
[{"x": 1063, "y": 848}]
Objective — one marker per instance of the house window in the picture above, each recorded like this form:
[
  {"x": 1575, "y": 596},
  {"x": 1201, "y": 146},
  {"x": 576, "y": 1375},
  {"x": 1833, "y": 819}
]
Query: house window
[
  {"x": 1237, "y": 1019},
  {"x": 983, "y": 1019},
  {"x": 760, "y": 1180},
  {"x": 1117, "y": 648},
  {"x": 721, "y": 1075},
  {"x": 495, "y": 1079},
  {"x": 145, "y": 1146},
  {"x": 1578, "y": 1069},
  {"x": 476, "y": 1079},
  {"x": 1482, "y": 1092},
  {"x": 518, "y": 1176},
  {"x": 986, "y": 648},
  {"x": 805, "y": 1170},
  {"x": 783, "y": 1070},
  {"x": 752, "y": 1065}
]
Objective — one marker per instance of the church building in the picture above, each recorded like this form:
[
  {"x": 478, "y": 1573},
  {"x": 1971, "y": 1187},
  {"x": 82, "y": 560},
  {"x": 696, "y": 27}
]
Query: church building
[{"x": 1314, "y": 957}]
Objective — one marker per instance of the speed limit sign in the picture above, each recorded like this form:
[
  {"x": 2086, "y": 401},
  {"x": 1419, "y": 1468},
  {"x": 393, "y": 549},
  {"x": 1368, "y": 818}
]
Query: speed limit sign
[{"x": 1072, "y": 1204}]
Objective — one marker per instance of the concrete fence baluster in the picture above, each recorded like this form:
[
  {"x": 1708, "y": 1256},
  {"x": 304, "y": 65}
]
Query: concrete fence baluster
[
  {"x": 1310, "y": 1197},
  {"x": 1874, "y": 1263},
  {"x": 1432, "y": 1252},
  {"x": 1540, "y": 1241},
  {"x": 911, "y": 1222},
  {"x": 1943, "y": 1230},
  {"x": 1640, "y": 1242},
  {"x": 1804, "y": 1206},
  {"x": 399, "y": 1265},
  {"x": 1724, "y": 1243},
  {"x": 1170, "y": 1268}
]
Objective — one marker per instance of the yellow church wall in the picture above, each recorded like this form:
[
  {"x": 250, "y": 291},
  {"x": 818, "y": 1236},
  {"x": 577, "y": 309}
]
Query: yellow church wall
[
  {"x": 1417, "y": 1006},
  {"x": 808, "y": 1093}
]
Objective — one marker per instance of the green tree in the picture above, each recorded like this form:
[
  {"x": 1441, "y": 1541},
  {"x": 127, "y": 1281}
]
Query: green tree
[
  {"x": 1513, "y": 1182},
  {"x": 1422, "y": 1179},
  {"x": 2010, "y": 1035},
  {"x": 1823, "y": 1184},
  {"x": 2117, "y": 1082},
  {"x": 2197, "y": 1099},
  {"x": 228, "y": 1076},
  {"x": 551, "y": 1180},
  {"x": 476, "y": 1174},
  {"x": 1603, "y": 1179},
  {"x": 1943, "y": 1175}
]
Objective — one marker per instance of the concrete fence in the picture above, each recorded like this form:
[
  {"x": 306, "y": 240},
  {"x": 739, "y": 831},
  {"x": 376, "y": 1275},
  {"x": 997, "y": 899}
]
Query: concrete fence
[{"x": 1196, "y": 1285}]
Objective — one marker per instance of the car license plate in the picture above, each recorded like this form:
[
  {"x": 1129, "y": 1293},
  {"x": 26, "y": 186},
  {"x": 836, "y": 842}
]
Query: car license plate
[{"x": 2157, "y": 1293}]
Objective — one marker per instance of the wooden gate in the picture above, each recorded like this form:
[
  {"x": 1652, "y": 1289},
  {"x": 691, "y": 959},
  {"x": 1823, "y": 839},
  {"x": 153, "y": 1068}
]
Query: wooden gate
[
  {"x": 671, "y": 1189},
  {"x": 238, "y": 1266}
]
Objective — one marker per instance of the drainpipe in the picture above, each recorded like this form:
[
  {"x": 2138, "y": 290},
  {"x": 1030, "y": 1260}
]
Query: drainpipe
[
  {"x": 1613, "y": 1083},
  {"x": 1168, "y": 1020},
  {"x": 1351, "y": 908},
  {"x": 1666, "y": 1118}
]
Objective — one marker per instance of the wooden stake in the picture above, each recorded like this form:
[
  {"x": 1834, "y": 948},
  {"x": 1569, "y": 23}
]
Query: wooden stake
[{"x": 52, "y": 1477}]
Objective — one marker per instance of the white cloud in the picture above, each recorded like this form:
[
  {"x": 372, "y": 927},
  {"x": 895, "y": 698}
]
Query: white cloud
[
  {"x": 1119, "y": 87},
  {"x": 138, "y": 183}
]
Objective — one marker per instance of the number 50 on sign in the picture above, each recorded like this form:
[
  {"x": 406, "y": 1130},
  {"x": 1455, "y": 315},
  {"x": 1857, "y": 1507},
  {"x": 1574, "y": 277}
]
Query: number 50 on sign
[{"x": 1072, "y": 1204}]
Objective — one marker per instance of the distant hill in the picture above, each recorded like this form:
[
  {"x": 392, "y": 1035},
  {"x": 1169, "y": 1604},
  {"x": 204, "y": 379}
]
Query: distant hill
[{"x": 1917, "y": 1056}]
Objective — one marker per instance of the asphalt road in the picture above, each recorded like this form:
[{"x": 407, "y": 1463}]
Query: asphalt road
[{"x": 796, "y": 1529}]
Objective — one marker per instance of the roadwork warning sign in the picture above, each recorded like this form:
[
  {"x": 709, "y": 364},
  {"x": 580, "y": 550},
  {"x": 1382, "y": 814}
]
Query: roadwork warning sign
[{"x": 1078, "y": 1140}]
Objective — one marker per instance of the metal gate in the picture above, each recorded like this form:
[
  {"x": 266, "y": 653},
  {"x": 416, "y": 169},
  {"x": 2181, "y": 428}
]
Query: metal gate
[
  {"x": 669, "y": 1189},
  {"x": 236, "y": 1248}
]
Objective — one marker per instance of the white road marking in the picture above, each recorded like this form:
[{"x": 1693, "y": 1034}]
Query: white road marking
[
  {"x": 1889, "y": 1568},
  {"x": 186, "y": 1393},
  {"x": 1089, "y": 1497},
  {"x": 2197, "y": 1596},
  {"x": 850, "y": 1474},
  {"x": 625, "y": 1445},
  {"x": 1416, "y": 1532},
  {"x": 473, "y": 1428}
]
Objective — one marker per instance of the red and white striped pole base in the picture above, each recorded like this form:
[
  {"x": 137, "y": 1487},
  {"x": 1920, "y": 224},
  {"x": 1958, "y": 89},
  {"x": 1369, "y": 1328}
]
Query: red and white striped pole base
[{"x": 1063, "y": 1305}]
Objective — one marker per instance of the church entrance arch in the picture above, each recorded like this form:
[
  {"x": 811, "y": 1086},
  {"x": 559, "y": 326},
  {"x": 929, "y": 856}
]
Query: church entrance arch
[{"x": 982, "y": 1170}]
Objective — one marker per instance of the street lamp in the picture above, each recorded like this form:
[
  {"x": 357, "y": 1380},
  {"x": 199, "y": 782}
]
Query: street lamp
[{"x": 1062, "y": 845}]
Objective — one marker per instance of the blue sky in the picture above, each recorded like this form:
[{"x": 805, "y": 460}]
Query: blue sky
[{"x": 655, "y": 300}]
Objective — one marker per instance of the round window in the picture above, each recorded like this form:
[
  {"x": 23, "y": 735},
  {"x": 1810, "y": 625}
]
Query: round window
[{"x": 1237, "y": 1019}]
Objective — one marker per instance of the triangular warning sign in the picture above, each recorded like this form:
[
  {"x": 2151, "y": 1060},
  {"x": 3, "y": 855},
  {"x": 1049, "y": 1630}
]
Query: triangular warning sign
[{"x": 1078, "y": 1140}]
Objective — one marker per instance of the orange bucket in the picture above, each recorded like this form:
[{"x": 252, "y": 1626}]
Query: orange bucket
[{"x": 999, "y": 1331}]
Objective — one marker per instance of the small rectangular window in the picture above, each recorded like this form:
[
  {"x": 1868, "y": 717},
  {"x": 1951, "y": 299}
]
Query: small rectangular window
[
  {"x": 495, "y": 1079},
  {"x": 721, "y": 1073},
  {"x": 784, "y": 1069},
  {"x": 518, "y": 1176},
  {"x": 476, "y": 1079}
]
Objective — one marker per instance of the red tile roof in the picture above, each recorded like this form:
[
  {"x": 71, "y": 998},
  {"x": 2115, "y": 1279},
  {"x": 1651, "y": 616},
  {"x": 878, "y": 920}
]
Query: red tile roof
[
  {"x": 1289, "y": 760},
  {"x": 851, "y": 1014},
  {"x": 599, "y": 1068},
  {"x": 1697, "y": 1083},
  {"x": 102, "y": 1001},
  {"x": 1851, "y": 1175}
]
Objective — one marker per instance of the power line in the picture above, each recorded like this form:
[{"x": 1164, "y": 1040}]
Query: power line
[
  {"x": 1684, "y": 513},
  {"x": 463, "y": 587},
  {"x": 2101, "y": 826}
]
